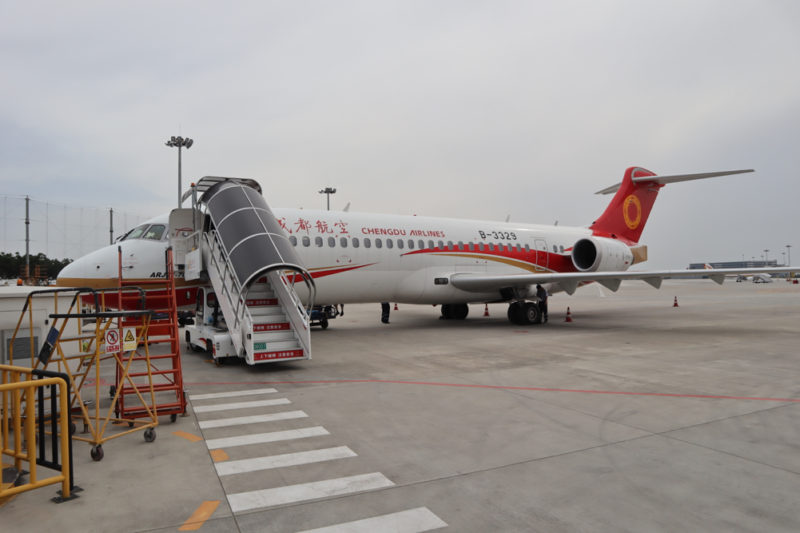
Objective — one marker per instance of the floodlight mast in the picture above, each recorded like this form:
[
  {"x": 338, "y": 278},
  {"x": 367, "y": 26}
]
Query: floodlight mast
[
  {"x": 328, "y": 191},
  {"x": 179, "y": 142}
]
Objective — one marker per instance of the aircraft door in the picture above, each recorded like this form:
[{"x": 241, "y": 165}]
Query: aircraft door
[{"x": 542, "y": 257}]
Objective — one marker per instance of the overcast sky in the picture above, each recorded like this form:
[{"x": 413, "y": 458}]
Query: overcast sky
[{"x": 454, "y": 108}]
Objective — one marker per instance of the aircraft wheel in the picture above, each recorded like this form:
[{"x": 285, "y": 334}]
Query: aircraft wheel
[
  {"x": 531, "y": 313},
  {"x": 323, "y": 322},
  {"x": 447, "y": 311},
  {"x": 515, "y": 313},
  {"x": 459, "y": 311}
]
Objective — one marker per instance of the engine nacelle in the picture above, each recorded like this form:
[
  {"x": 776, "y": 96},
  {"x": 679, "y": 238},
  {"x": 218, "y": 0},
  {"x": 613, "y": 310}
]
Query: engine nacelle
[{"x": 601, "y": 254}]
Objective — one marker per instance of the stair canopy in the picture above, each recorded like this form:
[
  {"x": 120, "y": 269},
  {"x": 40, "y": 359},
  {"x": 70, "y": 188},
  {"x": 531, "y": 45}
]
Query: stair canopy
[{"x": 249, "y": 233}]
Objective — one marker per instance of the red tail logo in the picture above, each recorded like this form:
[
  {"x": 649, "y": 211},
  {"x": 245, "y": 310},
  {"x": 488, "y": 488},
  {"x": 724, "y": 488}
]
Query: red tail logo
[{"x": 626, "y": 215}]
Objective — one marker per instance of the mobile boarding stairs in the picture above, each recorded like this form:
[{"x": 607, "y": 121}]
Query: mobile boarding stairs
[{"x": 231, "y": 240}]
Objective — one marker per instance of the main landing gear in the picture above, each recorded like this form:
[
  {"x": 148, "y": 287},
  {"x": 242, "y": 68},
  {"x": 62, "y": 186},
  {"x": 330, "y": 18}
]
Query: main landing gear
[
  {"x": 454, "y": 311},
  {"x": 524, "y": 313}
]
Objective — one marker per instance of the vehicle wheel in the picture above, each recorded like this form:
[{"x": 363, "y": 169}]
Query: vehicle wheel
[
  {"x": 323, "y": 322},
  {"x": 72, "y": 428},
  {"x": 149, "y": 435},
  {"x": 459, "y": 311},
  {"x": 218, "y": 362},
  {"x": 97, "y": 453},
  {"x": 515, "y": 313},
  {"x": 173, "y": 417},
  {"x": 531, "y": 314},
  {"x": 112, "y": 390}
]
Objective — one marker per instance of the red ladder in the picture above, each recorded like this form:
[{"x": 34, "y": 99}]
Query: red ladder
[{"x": 165, "y": 368}]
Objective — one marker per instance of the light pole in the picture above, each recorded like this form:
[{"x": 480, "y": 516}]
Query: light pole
[
  {"x": 328, "y": 191},
  {"x": 180, "y": 142},
  {"x": 789, "y": 253}
]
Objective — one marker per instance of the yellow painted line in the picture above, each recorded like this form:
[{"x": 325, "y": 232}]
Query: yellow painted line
[
  {"x": 219, "y": 455},
  {"x": 187, "y": 436},
  {"x": 200, "y": 516}
]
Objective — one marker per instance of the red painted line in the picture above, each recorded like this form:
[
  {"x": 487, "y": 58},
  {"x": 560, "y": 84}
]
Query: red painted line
[{"x": 500, "y": 387}]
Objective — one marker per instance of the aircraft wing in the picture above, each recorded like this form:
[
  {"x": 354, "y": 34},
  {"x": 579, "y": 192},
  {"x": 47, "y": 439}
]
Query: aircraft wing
[{"x": 569, "y": 281}]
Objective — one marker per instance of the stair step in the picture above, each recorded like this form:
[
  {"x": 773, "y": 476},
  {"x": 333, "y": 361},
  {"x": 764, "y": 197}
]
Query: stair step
[
  {"x": 271, "y": 326},
  {"x": 260, "y": 339},
  {"x": 266, "y": 311},
  {"x": 280, "y": 354},
  {"x": 270, "y": 319},
  {"x": 270, "y": 310},
  {"x": 277, "y": 346},
  {"x": 260, "y": 301}
]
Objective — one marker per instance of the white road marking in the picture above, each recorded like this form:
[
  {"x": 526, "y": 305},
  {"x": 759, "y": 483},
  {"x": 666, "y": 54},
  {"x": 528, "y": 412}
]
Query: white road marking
[
  {"x": 244, "y": 501},
  {"x": 260, "y": 438},
  {"x": 242, "y": 420},
  {"x": 231, "y": 394},
  {"x": 278, "y": 461},
  {"x": 411, "y": 521},
  {"x": 239, "y": 405}
]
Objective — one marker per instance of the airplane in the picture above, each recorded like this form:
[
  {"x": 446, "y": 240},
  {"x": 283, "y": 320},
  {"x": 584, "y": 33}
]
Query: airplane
[{"x": 366, "y": 258}]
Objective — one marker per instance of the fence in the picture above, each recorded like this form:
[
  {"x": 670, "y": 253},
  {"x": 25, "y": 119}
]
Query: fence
[{"x": 57, "y": 230}]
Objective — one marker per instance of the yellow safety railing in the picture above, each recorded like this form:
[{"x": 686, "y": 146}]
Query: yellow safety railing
[{"x": 18, "y": 427}]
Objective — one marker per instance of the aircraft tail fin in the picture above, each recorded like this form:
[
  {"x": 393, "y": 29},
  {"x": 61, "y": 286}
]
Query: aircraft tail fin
[{"x": 627, "y": 213}]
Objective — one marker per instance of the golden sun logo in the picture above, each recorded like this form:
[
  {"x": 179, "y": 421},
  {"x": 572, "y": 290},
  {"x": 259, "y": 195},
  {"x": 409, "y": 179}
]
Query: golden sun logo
[{"x": 632, "y": 204}]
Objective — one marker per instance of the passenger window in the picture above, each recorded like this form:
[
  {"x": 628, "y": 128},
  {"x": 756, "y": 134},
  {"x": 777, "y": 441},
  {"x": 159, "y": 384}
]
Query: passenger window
[
  {"x": 430, "y": 245},
  {"x": 378, "y": 243},
  {"x": 555, "y": 249},
  {"x": 527, "y": 248},
  {"x": 461, "y": 245},
  {"x": 293, "y": 240},
  {"x": 306, "y": 241},
  {"x": 410, "y": 244},
  {"x": 318, "y": 241},
  {"x": 331, "y": 242},
  {"x": 449, "y": 245},
  {"x": 389, "y": 243},
  {"x": 441, "y": 245},
  {"x": 421, "y": 244},
  {"x": 400, "y": 243},
  {"x": 355, "y": 242},
  {"x": 367, "y": 242},
  {"x": 343, "y": 242},
  {"x": 562, "y": 248}
]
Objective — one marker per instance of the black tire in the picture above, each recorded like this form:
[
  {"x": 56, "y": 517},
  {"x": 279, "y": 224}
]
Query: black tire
[
  {"x": 323, "y": 322},
  {"x": 531, "y": 313},
  {"x": 515, "y": 313},
  {"x": 447, "y": 311},
  {"x": 97, "y": 453},
  {"x": 173, "y": 417},
  {"x": 149, "y": 435},
  {"x": 112, "y": 390},
  {"x": 459, "y": 311}
]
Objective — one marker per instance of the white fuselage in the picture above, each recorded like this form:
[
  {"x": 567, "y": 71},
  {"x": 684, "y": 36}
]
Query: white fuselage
[{"x": 358, "y": 257}]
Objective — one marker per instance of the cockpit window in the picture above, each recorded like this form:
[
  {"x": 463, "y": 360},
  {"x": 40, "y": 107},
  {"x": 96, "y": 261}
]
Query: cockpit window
[
  {"x": 155, "y": 232},
  {"x": 135, "y": 233}
]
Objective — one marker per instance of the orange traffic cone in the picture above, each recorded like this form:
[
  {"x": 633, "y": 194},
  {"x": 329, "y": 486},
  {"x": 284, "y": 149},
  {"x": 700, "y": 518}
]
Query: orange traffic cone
[
  {"x": 569, "y": 316},
  {"x": 486, "y": 310},
  {"x": 395, "y": 306},
  {"x": 676, "y": 302}
]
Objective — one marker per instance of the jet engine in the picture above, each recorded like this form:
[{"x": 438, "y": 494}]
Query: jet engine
[{"x": 601, "y": 254}]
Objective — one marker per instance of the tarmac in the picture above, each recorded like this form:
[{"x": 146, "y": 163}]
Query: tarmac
[{"x": 636, "y": 416}]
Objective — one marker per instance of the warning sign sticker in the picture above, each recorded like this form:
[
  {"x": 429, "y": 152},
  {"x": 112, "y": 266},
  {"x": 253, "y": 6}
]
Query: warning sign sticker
[
  {"x": 129, "y": 339},
  {"x": 112, "y": 341}
]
